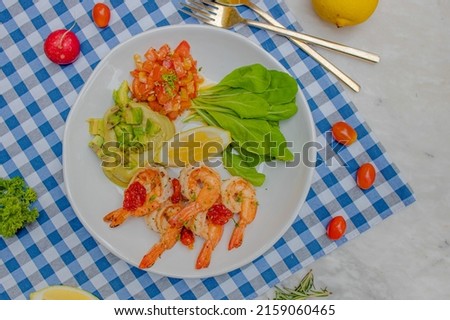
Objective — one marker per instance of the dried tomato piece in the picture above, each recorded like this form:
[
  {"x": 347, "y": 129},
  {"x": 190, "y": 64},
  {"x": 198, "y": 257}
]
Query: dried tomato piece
[
  {"x": 176, "y": 195},
  {"x": 219, "y": 214},
  {"x": 187, "y": 238},
  {"x": 134, "y": 196}
]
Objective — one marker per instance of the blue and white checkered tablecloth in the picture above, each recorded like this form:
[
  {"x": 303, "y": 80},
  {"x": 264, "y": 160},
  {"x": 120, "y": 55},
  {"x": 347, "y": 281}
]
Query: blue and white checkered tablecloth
[{"x": 36, "y": 97}]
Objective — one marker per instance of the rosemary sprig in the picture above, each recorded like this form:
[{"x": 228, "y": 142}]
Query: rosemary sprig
[{"x": 303, "y": 291}]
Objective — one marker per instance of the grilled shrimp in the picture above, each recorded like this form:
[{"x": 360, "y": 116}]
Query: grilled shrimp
[
  {"x": 158, "y": 221},
  {"x": 201, "y": 186},
  {"x": 212, "y": 233},
  {"x": 239, "y": 196},
  {"x": 148, "y": 189}
]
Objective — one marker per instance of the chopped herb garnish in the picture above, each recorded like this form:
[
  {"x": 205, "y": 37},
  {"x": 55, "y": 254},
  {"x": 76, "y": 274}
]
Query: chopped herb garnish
[{"x": 170, "y": 79}]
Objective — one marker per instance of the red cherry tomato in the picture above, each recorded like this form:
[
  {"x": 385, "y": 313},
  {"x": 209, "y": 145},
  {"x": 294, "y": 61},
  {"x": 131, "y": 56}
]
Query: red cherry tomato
[
  {"x": 101, "y": 15},
  {"x": 336, "y": 228},
  {"x": 344, "y": 133},
  {"x": 365, "y": 176},
  {"x": 62, "y": 46}
]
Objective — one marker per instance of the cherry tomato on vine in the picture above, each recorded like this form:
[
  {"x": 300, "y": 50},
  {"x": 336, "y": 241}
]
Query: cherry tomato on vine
[
  {"x": 365, "y": 176},
  {"x": 343, "y": 133},
  {"x": 101, "y": 15},
  {"x": 336, "y": 228}
]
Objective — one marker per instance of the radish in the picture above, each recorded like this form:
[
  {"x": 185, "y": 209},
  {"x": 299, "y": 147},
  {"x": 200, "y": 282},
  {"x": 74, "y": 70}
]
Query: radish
[{"x": 62, "y": 46}]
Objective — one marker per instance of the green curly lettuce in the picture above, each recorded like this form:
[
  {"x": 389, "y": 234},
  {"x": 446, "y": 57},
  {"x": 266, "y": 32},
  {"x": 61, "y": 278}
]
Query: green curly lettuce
[{"x": 15, "y": 200}]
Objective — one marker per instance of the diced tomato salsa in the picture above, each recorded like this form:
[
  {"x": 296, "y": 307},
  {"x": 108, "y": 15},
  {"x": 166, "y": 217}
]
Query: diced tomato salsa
[{"x": 167, "y": 80}]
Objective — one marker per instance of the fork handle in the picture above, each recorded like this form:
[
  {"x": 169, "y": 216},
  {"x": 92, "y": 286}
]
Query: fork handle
[
  {"x": 310, "y": 51},
  {"x": 328, "y": 65},
  {"x": 319, "y": 41}
]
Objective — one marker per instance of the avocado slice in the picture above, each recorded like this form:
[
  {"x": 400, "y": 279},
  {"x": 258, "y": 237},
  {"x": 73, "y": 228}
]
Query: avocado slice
[
  {"x": 133, "y": 115},
  {"x": 96, "y": 145},
  {"x": 96, "y": 126},
  {"x": 120, "y": 95},
  {"x": 133, "y": 131}
]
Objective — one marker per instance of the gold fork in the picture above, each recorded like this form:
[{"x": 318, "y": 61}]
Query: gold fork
[
  {"x": 302, "y": 45},
  {"x": 228, "y": 17}
]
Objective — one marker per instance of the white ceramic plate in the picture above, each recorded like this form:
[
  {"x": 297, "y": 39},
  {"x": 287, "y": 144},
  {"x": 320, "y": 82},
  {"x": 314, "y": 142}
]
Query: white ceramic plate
[{"x": 92, "y": 195}]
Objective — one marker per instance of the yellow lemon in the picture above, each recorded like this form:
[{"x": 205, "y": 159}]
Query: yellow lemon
[
  {"x": 62, "y": 292},
  {"x": 344, "y": 12},
  {"x": 194, "y": 145}
]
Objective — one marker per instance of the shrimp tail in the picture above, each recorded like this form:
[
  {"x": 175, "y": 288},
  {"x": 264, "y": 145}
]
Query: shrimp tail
[
  {"x": 204, "y": 258},
  {"x": 237, "y": 237},
  {"x": 168, "y": 240},
  {"x": 116, "y": 217},
  {"x": 214, "y": 235},
  {"x": 150, "y": 258},
  {"x": 184, "y": 215}
]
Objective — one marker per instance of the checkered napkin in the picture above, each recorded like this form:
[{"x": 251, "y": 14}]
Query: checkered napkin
[{"x": 36, "y": 96}]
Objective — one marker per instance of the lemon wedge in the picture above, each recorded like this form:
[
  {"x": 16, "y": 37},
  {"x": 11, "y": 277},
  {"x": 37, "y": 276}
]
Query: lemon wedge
[
  {"x": 193, "y": 146},
  {"x": 62, "y": 292}
]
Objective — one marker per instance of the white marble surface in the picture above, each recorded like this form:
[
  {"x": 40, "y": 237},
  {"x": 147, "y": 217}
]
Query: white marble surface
[{"x": 406, "y": 101}]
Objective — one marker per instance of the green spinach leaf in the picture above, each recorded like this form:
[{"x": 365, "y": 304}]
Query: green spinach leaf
[
  {"x": 282, "y": 89},
  {"x": 279, "y": 112},
  {"x": 237, "y": 167},
  {"x": 255, "y": 135},
  {"x": 280, "y": 150},
  {"x": 243, "y": 103},
  {"x": 254, "y": 78},
  {"x": 249, "y": 102},
  {"x": 247, "y": 133}
]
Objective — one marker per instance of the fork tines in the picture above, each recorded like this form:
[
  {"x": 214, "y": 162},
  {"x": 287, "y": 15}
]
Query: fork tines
[{"x": 199, "y": 10}]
